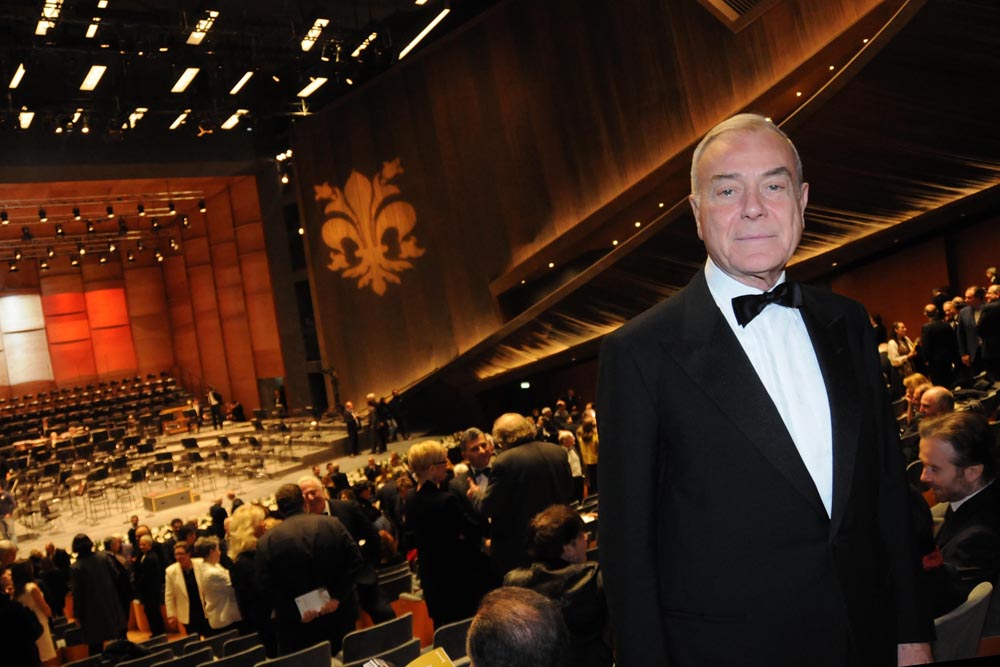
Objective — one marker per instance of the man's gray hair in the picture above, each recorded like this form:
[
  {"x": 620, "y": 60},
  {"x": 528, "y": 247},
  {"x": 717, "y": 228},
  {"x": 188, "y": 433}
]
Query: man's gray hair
[
  {"x": 512, "y": 429},
  {"x": 744, "y": 122}
]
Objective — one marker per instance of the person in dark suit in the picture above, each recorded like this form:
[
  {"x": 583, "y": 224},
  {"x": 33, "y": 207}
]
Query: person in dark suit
[
  {"x": 218, "y": 514},
  {"x": 968, "y": 333},
  {"x": 308, "y": 553},
  {"x": 453, "y": 571},
  {"x": 364, "y": 534},
  {"x": 938, "y": 347},
  {"x": 470, "y": 485},
  {"x": 989, "y": 332},
  {"x": 149, "y": 584},
  {"x": 353, "y": 426},
  {"x": 753, "y": 500},
  {"x": 960, "y": 467},
  {"x": 527, "y": 477}
]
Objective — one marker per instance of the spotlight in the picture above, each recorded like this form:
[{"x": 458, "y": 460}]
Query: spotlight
[
  {"x": 50, "y": 251},
  {"x": 103, "y": 258},
  {"x": 42, "y": 217},
  {"x": 185, "y": 222},
  {"x": 26, "y": 234},
  {"x": 130, "y": 256},
  {"x": 90, "y": 227},
  {"x": 139, "y": 246},
  {"x": 111, "y": 211},
  {"x": 17, "y": 253},
  {"x": 111, "y": 246},
  {"x": 3, "y": 218},
  {"x": 43, "y": 264},
  {"x": 12, "y": 266},
  {"x": 80, "y": 248},
  {"x": 159, "y": 256},
  {"x": 60, "y": 231},
  {"x": 171, "y": 208},
  {"x": 142, "y": 210},
  {"x": 173, "y": 244},
  {"x": 284, "y": 179},
  {"x": 122, "y": 226},
  {"x": 74, "y": 260},
  {"x": 76, "y": 212},
  {"x": 201, "y": 205},
  {"x": 156, "y": 225}
]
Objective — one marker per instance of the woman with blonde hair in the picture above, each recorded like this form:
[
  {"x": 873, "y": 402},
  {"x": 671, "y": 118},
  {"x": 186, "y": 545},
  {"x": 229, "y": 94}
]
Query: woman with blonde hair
[
  {"x": 447, "y": 539},
  {"x": 246, "y": 526}
]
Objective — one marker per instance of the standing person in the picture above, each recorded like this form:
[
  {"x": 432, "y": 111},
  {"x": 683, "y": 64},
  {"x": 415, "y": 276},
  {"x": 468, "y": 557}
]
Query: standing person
[
  {"x": 311, "y": 555},
  {"x": 901, "y": 351},
  {"x": 215, "y": 406},
  {"x": 27, "y": 592},
  {"x": 149, "y": 584},
  {"x": 95, "y": 595},
  {"x": 378, "y": 422},
  {"x": 969, "y": 345},
  {"x": 353, "y": 426},
  {"x": 989, "y": 332},
  {"x": 453, "y": 571},
  {"x": 182, "y": 593},
  {"x": 568, "y": 442},
  {"x": 397, "y": 408},
  {"x": 939, "y": 347},
  {"x": 19, "y": 627},
  {"x": 245, "y": 528},
  {"x": 221, "y": 608},
  {"x": 753, "y": 498},
  {"x": 527, "y": 477},
  {"x": 589, "y": 443}
]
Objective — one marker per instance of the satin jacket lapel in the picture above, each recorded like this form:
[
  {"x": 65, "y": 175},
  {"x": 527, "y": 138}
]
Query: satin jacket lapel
[
  {"x": 713, "y": 358},
  {"x": 829, "y": 337}
]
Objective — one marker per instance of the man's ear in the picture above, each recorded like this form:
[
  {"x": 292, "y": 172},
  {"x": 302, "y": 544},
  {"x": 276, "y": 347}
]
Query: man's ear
[{"x": 973, "y": 473}]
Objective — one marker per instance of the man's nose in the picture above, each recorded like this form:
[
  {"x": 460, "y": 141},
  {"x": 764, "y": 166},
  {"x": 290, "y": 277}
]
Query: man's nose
[{"x": 753, "y": 205}]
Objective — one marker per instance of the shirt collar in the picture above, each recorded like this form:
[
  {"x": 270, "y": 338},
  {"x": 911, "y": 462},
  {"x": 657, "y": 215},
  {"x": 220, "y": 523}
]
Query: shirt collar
[
  {"x": 724, "y": 288},
  {"x": 955, "y": 504}
]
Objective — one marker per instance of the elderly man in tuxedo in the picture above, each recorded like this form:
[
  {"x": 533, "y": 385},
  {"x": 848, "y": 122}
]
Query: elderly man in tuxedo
[{"x": 753, "y": 501}]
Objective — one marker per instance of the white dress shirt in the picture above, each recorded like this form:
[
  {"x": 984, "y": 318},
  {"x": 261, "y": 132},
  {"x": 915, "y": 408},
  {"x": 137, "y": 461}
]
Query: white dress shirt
[{"x": 781, "y": 352}]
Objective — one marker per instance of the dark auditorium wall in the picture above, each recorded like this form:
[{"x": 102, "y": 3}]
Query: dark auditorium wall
[
  {"x": 898, "y": 285},
  {"x": 500, "y": 138}
]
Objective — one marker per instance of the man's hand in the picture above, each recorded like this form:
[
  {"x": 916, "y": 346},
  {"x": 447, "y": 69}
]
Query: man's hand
[
  {"x": 172, "y": 624},
  {"x": 913, "y": 654},
  {"x": 966, "y": 359},
  {"x": 473, "y": 488},
  {"x": 328, "y": 608}
]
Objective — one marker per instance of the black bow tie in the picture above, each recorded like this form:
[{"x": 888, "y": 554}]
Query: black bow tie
[
  {"x": 747, "y": 307},
  {"x": 484, "y": 471}
]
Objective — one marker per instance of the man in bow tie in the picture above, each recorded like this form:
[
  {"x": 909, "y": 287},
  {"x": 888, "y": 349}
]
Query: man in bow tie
[{"x": 767, "y": 524}]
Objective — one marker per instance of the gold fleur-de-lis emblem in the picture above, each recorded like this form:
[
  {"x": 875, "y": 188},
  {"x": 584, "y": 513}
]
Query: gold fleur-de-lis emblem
[{"x": 368, "y": 228}]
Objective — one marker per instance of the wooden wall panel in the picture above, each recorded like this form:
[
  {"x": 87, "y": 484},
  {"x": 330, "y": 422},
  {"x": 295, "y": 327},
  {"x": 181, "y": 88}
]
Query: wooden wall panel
[
  {"x": 508, "y": 134},
  {"x": 73, "y": 362},
  {"x": 260, "y": 316},
  {"x": 205, "y": 306},
  {"x": 113, "y": 350},
  {"x": 150, "y": 319},
  {"x": 185, "y": 337},
  {"x": 67, "y": 328},
  {"x": 976, "y": 249}
]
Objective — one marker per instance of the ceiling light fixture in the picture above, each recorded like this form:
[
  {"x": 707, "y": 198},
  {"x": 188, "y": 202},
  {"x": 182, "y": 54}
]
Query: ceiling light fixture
[
  {"x": 242, "y": 82},
  {"x": 74, "y": 260},
  {"x": 130, "y": 256},
  {"x": 76, "y": 212},
  {"x": 43, "y": 264},
  {"x": 155, "y": 225},
  {"x": 12, "y": 266},
  {"x": 180, "y": 119},
  {"x": 185, "y": 222},
  {"x": 25, "y": 117},
  {"x": 202, "y": 27},
  {"x": 364, "y": 44},
  {"x": 136, "y": 116},
  {"x": 111, "y": 246},
  {"x": 42, "y": 216},
  {"x": 26, "y": 234},
  {"x": 314, "y": 32},
  {"x": 159, "y": 256},
  {"x": 60, "y": 231},
  {"x": 15, "y": 80},
  {"x": 92, "y": 28},
  {"x": 185, "y": 79},
  {"x": 233, "y": 120},
  {"x": 93, "y": 77},
  {"x": 102, "y": 4},
  {"x": 50, "y": 12},
  {"x": 102, "y": 258},
  {"x": 50, "y": 251},
  {"x": 90, "y": 227},
  {"x": 139, "y": 246},
  {"x": 173, "y": 244},
  {"x": 122, "y": 226},
  {"x": 80, "y": 248},
  {"x": 111, "y": 211},
  {"x": 315, "y": 83},
  {"x": 142, "y": 210},
  {"x": 171, "y": 208},
  {"x": 423, "y": 33},
  {"x": 3, "y": 218},
  {"x": 17, "y": 253},
  {"x": 201, "y": 205}
]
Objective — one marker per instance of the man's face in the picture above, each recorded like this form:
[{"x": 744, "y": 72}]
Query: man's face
[
  {"x": 371, "y": 461},
  {"x": 176, "y": 525},
  {"x": 949, "y": 311},
  {"x": 316, "y": 470},
  {"x": 349, "y": 406},
  {"x": 477, "y": 453},
  {"x": 314, "y": 497},
  {"x": 135, "y": 521},
  {"x": 183, "y": 557},
  {"x": 992, "y": 293},
  {"x": 972, "y": 299},
  {"x": 948, "y": 481},
  {"x": 749, "y": 208},
  {"x": 928, "y": 405},
  {"x": 145, "y": 546}
]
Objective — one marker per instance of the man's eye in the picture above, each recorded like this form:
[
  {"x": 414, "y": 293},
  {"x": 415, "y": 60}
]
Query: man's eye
[
  {"x": 726, "y": 192},
  {"x": 775, "y": 187}
]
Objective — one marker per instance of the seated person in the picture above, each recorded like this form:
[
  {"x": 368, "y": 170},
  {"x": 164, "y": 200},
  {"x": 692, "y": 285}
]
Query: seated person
[
  {"x": 560, "y": 571},
  {"x": 517, "y": 626},
  {"x": 959, "y": 466}
]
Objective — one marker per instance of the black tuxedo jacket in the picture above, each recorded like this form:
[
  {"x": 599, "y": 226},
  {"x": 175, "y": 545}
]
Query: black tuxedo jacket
[
  {"x": 970, "y": 540},
  {"x": 714, "y": 542}
]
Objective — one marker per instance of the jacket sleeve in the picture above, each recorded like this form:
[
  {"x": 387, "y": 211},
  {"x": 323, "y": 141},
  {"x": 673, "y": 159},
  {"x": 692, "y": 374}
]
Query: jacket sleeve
[
  {"x": 168, "y": 594},
  {"x": 627, "y": 422}
]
